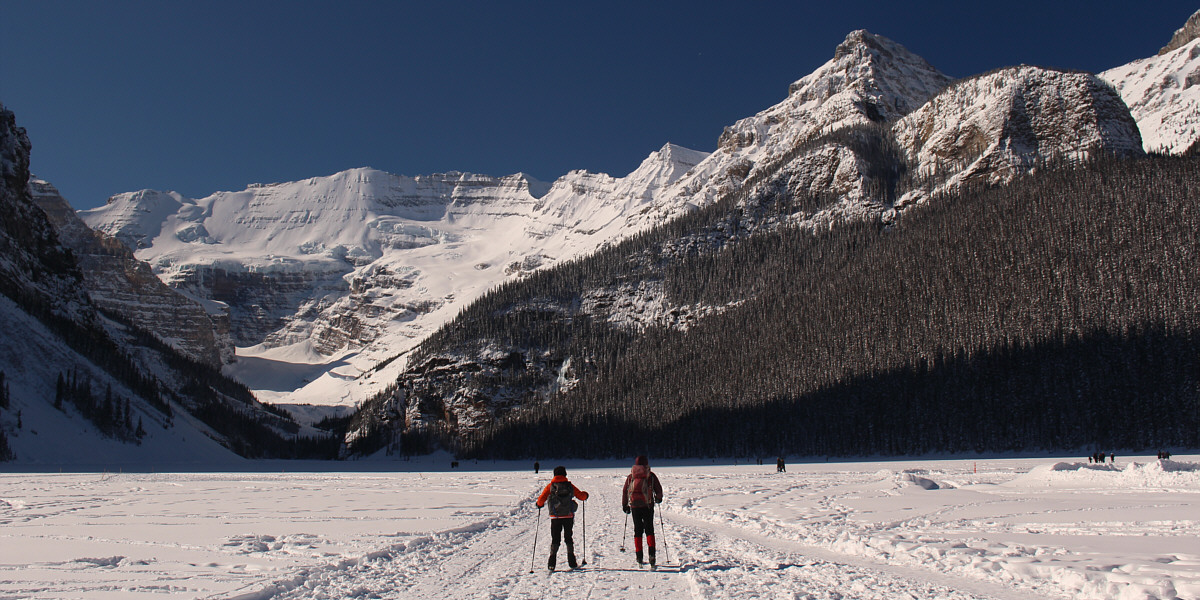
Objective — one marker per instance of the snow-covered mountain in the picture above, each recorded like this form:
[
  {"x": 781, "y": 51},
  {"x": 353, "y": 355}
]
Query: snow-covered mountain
[
  {"x": 1163, "y": 92},
  {"x": 997, "y": 125},
  {"x": 851, "y": 138},
  {"x": 870, "y": 80},
  {"x": 326, "y": 278},
  {"x": 329, "y": 282}
]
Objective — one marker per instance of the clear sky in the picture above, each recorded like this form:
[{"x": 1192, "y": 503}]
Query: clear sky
[{"x": 200, "y": 97}]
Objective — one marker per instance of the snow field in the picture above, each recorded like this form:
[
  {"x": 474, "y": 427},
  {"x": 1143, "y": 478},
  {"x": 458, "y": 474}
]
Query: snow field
[
  {"x": 1063, "y": 529},
  {"x": 1008, "y": 529}
]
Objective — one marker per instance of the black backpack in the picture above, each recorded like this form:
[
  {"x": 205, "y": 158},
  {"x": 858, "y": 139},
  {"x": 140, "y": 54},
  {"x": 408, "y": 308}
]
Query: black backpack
[{"x": 562, "y": 501}]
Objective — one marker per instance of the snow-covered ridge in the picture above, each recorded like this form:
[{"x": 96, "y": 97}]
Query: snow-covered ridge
[{"x": 1163, "y": 93}]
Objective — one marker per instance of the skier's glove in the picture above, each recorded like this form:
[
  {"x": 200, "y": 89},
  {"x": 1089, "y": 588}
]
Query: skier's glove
[
  {"x": 659, "y": 501},
  {"x": 626, "y": 509}
]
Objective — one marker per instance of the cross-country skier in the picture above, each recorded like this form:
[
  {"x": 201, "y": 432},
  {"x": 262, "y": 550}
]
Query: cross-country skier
[
  {"x": 641, "y": 492},
  {"x": 558, "y": 495}
]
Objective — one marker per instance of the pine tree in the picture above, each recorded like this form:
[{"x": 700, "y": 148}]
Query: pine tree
[
  {"x": 5, "y": 400},
  {"x": 6, "y": 453},
  {"x": 60, "y": 391}
]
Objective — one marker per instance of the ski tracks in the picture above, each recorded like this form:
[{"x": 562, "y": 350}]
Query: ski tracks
[
  {"x": 491, "y": 560},
  {"x": 730, "y": 562}
]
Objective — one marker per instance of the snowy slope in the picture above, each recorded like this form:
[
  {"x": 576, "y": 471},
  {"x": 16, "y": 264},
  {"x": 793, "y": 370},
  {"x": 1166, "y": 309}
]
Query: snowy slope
[
  {"x": 1163, "y": 93},
  {"x": 355, "y": 268},
  {"x": 33, "y": 358}
]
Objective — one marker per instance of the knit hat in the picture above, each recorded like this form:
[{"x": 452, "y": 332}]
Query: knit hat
[
  {"x": 641, "y": 460},
  {"x": 560, "y": 471}
]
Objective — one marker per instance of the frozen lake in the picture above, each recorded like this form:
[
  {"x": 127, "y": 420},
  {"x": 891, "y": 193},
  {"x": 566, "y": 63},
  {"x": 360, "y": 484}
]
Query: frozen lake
[{"x": 1005, "y": 528}]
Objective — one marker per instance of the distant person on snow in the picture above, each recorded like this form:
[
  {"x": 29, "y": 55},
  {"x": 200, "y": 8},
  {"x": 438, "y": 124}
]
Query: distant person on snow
[
  {"x": 641, "y": 492},
  {"x": 558, "y": 495},
  {"x": 536, "y": 467}
]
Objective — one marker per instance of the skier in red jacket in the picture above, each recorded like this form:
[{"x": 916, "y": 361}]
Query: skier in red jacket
[
  {"x": 558, "y": 494},
  {"x": 641, "y": 492}
]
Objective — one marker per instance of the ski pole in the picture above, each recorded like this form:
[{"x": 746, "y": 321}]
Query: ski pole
[
  {"x": 663, "y": 536},
  {"x": 584, "y": 533},
  {"x": 623, "y": 532},
  {"x": 535, "y": 534}
]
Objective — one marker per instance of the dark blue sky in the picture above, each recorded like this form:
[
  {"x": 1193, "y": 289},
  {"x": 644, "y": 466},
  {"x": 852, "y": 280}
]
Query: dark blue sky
[{"x": 206, "y": 96}]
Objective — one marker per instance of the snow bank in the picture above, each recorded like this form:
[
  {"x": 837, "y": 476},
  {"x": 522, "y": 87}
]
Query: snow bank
[{"x": 1167, "y": 474}]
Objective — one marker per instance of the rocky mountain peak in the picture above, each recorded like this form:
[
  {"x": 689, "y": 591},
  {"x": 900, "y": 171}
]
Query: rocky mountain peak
[
  {"x": 862, "y": 42},
  {"x": 1183, "y": 35},
  {"x": 893, "y": 78},
  {"x": 996, "y": 125},
  {"x": 120, "y": 284},
  {"x": 35, "y": 268}
]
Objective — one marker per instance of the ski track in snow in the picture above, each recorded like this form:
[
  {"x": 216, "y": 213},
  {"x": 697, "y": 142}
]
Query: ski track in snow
[{"x": 492, "y": 560}]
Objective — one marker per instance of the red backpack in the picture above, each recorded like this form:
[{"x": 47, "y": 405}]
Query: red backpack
[{"x": 640, "y": 493}]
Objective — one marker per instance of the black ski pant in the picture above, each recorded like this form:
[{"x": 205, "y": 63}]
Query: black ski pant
[
  {"x": 643, "y": 520},
  {"x": 561, "y": 530},
  {"x": 643, "y": 523}
]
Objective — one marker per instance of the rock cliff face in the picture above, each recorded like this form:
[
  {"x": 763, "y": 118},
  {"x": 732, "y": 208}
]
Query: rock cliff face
[
  {"x": 120, "y": 284},
  {"x": 35, "y": 270},
  {"x": 992, "y": 127},
  {"x": 1163, "y": 93},
  {"x": 1184, "y": 35}
]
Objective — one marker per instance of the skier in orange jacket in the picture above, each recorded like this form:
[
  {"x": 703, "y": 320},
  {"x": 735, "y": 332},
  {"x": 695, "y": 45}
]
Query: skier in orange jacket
[{"x": 558, "y": 495}]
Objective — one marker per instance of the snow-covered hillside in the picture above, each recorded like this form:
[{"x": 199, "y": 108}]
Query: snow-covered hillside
[
  {"x": 38, "y": 433},
  {"x": 1163, "y": 92},
  {"x": 1007, "y": 529},
  {"x": 326, "y": 278}
]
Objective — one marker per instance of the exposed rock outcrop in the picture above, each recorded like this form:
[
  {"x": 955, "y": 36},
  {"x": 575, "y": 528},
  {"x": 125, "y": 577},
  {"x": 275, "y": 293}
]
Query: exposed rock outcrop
[
  {"x": 995, "y": 126},
  {"x": 1184, "y": 35},
  {"x": 35, "y": 270},
  {"x": 119, "y": 283}
]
